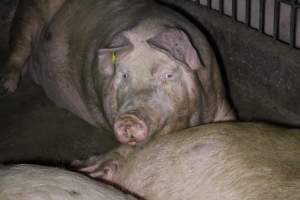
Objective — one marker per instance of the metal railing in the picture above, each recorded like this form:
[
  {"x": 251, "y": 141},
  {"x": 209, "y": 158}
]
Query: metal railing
[{"x": 279, "y": 19}]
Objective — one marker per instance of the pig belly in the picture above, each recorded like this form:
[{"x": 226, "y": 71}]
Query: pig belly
[
  {"x": 50, "y": 68},
  {"x": 62, "y": 93}
]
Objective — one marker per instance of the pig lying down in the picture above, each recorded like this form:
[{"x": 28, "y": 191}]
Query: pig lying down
[
  {"x": 229, "y": 161},
  {"x": 29, "y": 182},
  {"x": 134, "y": 68},
  {"x": 226, "y": 161}
]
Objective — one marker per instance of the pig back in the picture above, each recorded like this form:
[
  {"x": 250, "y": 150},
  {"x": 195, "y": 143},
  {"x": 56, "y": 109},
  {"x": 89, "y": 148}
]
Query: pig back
[
  {"x": 230, "y": 161},
  {"x": 33, "y": 182}
]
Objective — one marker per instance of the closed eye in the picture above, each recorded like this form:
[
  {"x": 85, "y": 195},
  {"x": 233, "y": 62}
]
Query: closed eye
[
  {"x": 169, "y": 75},
  {"x": 125, "y": 76}
]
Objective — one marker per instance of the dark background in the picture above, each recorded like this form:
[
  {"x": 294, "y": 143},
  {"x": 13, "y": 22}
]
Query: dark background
[{"x": 262, "y": 76}]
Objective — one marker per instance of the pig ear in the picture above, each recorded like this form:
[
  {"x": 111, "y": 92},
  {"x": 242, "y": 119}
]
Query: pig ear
[
  {"x": 176, "y": 43},
  {"x": 108, "y": 57}
]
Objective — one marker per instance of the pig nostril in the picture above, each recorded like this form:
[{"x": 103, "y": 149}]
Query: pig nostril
[{"x": 130, "y": 129}]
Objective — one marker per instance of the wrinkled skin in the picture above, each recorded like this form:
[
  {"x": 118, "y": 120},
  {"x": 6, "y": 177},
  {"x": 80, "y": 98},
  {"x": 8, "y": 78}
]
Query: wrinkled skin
[
  {"x": 228, "y": 161},
  {"x": 34, "y": 182},
  {"x": 135, "y": 71}
]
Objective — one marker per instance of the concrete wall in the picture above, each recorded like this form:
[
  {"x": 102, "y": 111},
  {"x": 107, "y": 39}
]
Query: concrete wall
[
  {"x": 284, "y": 16},
  {"x": 263, "y": 75}
]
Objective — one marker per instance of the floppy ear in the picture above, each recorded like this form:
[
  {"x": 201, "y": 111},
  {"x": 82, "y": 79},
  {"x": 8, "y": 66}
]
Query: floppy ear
[
  {"x": 176, "y": 43},
  {"x": 107, "y": 57}
]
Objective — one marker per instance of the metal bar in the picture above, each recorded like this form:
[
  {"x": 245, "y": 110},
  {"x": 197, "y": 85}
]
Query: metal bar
[
  {"x": 221, "y": 6},
  {"x": 262, "y": 12},
  {"x": 290, "y": 2},
  {"x": 248, "y": 12},
  {"x": 209, "y": 4},
  {"x": 234, "y": 9},
  {"x": 295, "y": 7},
  {"x": 276, "y": 19},
  {"x": 196, "y": 1},
  {"x": 293, "y": 24}
]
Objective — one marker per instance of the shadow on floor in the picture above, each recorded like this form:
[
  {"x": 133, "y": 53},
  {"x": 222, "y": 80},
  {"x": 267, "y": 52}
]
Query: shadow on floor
[{"x": 33, "y": 129}]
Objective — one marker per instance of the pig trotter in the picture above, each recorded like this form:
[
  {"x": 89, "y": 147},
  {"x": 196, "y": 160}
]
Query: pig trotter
[
  {"x": 8, "y": 83},
  {"x": 99, "y": 167}
]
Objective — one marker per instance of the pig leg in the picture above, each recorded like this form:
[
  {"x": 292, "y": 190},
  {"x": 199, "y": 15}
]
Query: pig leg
[
  {"x": 26, "y": 23},
  {"x": 103, "y": 166}
]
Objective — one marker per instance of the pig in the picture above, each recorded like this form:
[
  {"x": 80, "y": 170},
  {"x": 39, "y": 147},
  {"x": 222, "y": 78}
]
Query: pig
[
  {"x": 34, "y": 182},
  {"x": 228, "y": 161},
  {"x": 133, "y": 68}
]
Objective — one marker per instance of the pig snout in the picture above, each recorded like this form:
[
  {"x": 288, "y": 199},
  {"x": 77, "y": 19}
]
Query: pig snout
[{"x": 130, "y": 129}]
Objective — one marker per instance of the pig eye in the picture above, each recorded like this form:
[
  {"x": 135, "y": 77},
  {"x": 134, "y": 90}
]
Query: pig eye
[
  {"x": 167, "y": 76},
  {"x": 125, "y": 76}
]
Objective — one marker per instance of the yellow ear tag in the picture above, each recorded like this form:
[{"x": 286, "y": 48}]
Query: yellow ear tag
[{"x": 113, "y": 58}]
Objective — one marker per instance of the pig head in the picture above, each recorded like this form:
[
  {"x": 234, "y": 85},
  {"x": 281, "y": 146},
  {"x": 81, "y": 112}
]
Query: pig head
[{"x": 152, "y": 79}]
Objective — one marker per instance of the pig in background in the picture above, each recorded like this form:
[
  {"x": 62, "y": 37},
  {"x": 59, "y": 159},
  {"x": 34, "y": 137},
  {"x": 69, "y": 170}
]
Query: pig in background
[
  {"x": 33, "y": 182},
  {"x": 134, "y": 69},
  {"x": 228, "y": 161}
]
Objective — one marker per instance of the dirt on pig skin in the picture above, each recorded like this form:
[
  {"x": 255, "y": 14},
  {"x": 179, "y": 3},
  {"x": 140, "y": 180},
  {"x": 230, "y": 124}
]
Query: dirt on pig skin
[{"x": 228, "y": 161}]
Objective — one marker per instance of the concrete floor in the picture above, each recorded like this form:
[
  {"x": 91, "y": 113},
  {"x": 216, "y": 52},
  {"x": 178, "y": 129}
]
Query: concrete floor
[{"x": 33, "y": 129}]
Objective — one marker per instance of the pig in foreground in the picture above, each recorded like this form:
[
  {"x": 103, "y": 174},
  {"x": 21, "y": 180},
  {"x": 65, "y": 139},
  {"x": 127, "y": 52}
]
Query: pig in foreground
[
  {"x": 32, "y": 182},
  {"x": 228, "y": 161},
  {"x": 134, "y": 68}
]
